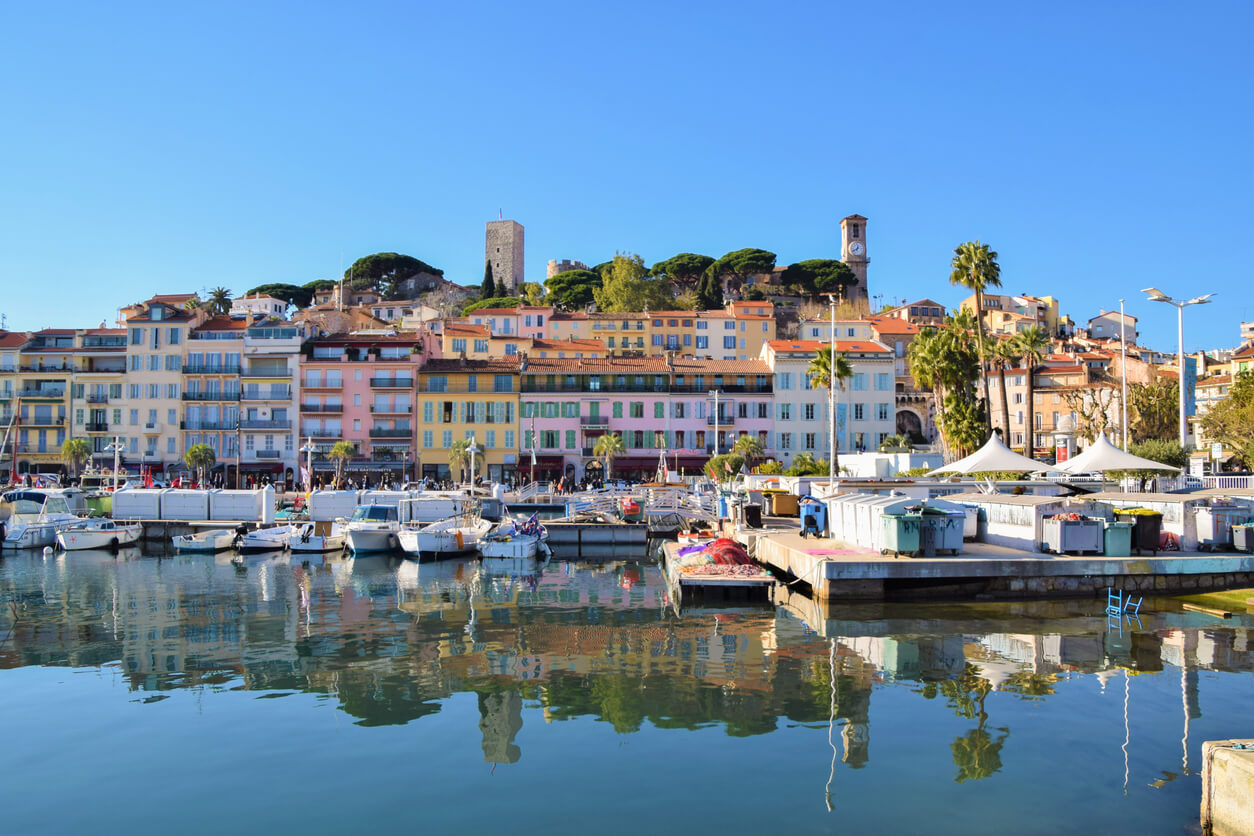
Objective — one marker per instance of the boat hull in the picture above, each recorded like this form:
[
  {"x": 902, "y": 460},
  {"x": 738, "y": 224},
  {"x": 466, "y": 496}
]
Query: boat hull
[
  {"x": 77, "y": 539},
  {"x": 265, "y": 540},
  {"x": 218, "y": 542},
  {"x": 29, "y": 536},
  {"x": 317, "y": 544},
  {"x": 519, "y": 547},
  {"x": 361, "y": 541}
]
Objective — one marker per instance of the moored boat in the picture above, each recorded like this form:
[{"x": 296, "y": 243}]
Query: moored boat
[
  {"x": 213, "y": 540},
  {"x": 447, "y": 538},
  {"x": 513, "y": 540},
  {"x": 98, "y": 533},
  {"x": 265, "y": 540},
  {"x": 632, "y": 512},
  {"x": 372, "y": 528},
  {"x": 305, "y": 538},
  {"x": 32, "y": 517}
]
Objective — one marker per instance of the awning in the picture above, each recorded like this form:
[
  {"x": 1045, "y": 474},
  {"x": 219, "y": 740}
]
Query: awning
[
  {"x": 261, "y": 467},
  {"x": 995, "y": 456}
]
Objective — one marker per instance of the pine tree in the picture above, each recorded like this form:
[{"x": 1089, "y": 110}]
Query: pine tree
[{"x": 489, "y": 289}]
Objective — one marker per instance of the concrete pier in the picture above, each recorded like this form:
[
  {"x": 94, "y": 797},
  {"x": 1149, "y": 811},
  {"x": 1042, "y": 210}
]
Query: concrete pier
[
  {"x": 1228, "y": 787},
  {"x": 613, "y": 542},
  {"x": 836, "y": 571}
]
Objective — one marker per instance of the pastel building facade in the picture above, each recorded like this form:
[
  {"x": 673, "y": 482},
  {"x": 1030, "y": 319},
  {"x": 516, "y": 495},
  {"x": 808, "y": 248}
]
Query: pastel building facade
[{"x": 470, "y": 400}]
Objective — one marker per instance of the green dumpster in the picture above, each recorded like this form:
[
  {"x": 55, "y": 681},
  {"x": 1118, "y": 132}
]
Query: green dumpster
[
  {"x": 1119, "y": 539},
  {"x": 901, "y": 533}
]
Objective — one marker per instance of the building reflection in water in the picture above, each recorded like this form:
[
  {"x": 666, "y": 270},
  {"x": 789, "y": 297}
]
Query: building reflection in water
[{"x": 389, "y": 641}]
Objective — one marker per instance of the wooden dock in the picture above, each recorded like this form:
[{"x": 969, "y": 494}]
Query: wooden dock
[
  {"x": 595, "y": 539},
  {"x": 711, "y": 589}
]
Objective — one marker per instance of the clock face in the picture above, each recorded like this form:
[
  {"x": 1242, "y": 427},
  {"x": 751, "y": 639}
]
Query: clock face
[{"x": 856, "y": 248}]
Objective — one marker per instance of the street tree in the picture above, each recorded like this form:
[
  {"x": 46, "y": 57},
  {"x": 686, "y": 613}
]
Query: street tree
[
  {"x": 607, "y": 447},
  {"x": 1032, "y": 346},
  {"x": 219, "y": 303},
  {"x": 1231, "y": 420},
  {"x": 75, "y": 452},
  {"x": 974, "y": 266},
  {"x": 293, "y": 294},
  {"x": 341, "y": 453},
  {"x": 824, "y": 375},
  {"x": 200, "y": 458}
]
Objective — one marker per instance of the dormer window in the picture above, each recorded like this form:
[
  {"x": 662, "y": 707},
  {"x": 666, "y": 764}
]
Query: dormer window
[{"x": 156, "y": 313}]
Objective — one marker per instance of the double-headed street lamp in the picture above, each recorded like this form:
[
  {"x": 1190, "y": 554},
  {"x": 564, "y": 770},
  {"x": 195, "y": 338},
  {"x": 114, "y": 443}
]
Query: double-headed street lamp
[{"x": 1156, "y": 295}]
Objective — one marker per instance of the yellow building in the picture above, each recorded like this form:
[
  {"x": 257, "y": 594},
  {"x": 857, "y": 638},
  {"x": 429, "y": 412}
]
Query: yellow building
[{"x": 475, "y": 400}]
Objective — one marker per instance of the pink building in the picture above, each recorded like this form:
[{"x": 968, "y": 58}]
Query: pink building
[{"x": 360, "y": 389}]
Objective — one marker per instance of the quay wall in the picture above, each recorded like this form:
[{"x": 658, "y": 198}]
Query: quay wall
[{"x": 1228, "y": 788}]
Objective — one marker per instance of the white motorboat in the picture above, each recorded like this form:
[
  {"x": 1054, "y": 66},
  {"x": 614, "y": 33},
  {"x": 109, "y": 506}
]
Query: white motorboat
[
  {"x": 213, "y": 540},
  {"x": 98, "y": 533},
  {"x": 33, "y": 516},
  {"x": 447, "y": 538},
  {"x": 514, "y": 540},
  {"x": 305, "y": 538},
  {"x": 265, "y": 540},
  {"x": 434, "y": 506},
  {"x": 372, "y": 528}
]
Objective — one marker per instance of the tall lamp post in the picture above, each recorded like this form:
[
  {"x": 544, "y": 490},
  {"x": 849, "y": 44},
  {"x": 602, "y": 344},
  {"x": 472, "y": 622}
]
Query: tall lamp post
[
  {"x": 1123, "y": 368},
  {"x": 473, "y": 450},
  {"x": 715, "y": 393},
  {"x": 116, "y": 449},
  {"x": 831, "y": 407},
  {"x": 1156, "y": 295},
  {"x": 308, "y": 450}
]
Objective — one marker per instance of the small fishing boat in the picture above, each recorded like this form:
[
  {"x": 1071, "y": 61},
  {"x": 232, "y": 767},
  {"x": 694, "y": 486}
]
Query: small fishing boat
[
  {"x": 97, "y": 533},
  {"x": 447, "y": 538},
  {"x": 265, "y": 540},
  {"x": 632, "y": 511},
  {"x": 32, "y": 516},
  {"x": 514, "y": 540},
  {"x": 373, "y": 528},
  {"x": 213, "y": 540},
  {"x": 305, "y": 538}
]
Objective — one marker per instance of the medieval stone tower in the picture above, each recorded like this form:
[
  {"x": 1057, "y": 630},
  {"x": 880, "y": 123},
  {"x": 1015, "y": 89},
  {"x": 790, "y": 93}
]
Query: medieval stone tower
[
  {"x": 853, "y": 253},
  {"x": 503, "y": 249}
]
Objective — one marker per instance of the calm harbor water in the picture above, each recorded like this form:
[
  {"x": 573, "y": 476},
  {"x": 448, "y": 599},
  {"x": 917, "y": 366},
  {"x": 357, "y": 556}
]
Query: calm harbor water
[{"x": 193, "y": 694}]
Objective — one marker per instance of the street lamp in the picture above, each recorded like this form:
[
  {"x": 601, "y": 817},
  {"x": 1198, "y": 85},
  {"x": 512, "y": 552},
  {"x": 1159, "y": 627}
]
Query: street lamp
[
  {"x": 308, "y": 449},
  {"x": 473, "y": 450},
  {"x": 116, "y": 449},
  {"x": 714, "y": 393},
  {"x": 1156, "y": 295}
]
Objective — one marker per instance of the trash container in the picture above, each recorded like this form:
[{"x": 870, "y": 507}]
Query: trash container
[
  {"x": 1147, "y": 528},
  {"x": 1066, "y": 533},
  {"x": 782, "y": 504},
  {"x": 753, "y": 515},
  {"x": 815, "y": 511},
  {"x": 941, "y": 531},
  {"x": 1214, "y": 525},
  {"x": 1118, "y": 539},
  {"x": 1243, "y": 536},
  {"x": 901, "y": 533}
]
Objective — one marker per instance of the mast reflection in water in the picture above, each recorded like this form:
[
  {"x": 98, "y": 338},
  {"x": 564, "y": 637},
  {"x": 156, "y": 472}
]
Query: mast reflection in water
[{"x": 582, "y": 689}]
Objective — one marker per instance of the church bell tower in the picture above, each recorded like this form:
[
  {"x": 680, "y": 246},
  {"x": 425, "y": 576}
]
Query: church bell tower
[{"x": 853, "y": 253}]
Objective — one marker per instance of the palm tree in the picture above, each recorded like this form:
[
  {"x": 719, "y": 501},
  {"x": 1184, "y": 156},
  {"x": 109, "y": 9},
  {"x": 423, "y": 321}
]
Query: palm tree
[
  {"x": 192, "y": 304},
  {"x": 1004, "y": 355},
  {"x": 199, "y": 457},
  {"x": 1033, "y": 345},
  {"x": 820, "y": 373},
  {"x": 607, "y": 447},
  {"x": 749, "y": 447},
  {"x": 975, "y": 267},
  {"x": 459, "y": 457},
  {"x": 341, "y": 453},
  {"x": 75, "y": 452},
  {"x": 895, "y": 443},
  {"x": 219, "y": 301}
]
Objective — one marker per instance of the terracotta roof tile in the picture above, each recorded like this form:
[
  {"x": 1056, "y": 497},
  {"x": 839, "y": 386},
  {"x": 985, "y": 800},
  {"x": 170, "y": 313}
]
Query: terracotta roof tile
[
  {"x": 501, "y": 365},
  {"x": 13, "y": 339},
  {"x": 461, "y": 329},
  {"x": 494, "y": 311}
]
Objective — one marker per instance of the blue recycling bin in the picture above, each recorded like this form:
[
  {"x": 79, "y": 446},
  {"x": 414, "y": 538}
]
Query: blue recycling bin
[
  {"x": 815, "y": 511},
  {"x": 722, "y": 507}
]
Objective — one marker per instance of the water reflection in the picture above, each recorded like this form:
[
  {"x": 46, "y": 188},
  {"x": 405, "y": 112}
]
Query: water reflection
[{"x": 389, "y": 642}]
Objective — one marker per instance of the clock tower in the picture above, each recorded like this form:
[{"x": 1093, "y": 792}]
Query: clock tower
[{"x": 853, "y": 253}]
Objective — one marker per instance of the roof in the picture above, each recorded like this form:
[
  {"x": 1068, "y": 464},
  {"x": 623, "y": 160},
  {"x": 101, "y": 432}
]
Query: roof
[
  {"x": 1027, "y": 500},
  {"x": 55, "y": 332},
  {"x": 1244, "y": 351},
  {"x": 494, "y": 311},
  {"x": 105, "y": 332},
  {"x": 540, "y": 344},
  {"x": 175, "y": 299},
  {"x": 1217, "y": 380},
  {"x": 462, "y": 329},
  {"x": 857, "y": 346},
  {"x": 456, "y": 364},
  {"x": 13, "y": 339},
  {"x": 222, "y": 323},
  {"x": 396, "y": 338},
  {"x": 1135, "y": 499},
  {"x": 689, "y": 366},
  {"x": 892, "y": 325}
]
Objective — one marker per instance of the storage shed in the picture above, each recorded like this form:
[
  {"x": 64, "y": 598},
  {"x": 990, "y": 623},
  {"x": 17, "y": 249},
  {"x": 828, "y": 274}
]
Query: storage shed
[
  {"x": 327, "y": 506},
  {"x": 137, "y": 503},
  {"x": 255, "y": 505},
  {"x": 180, "y": 504}
]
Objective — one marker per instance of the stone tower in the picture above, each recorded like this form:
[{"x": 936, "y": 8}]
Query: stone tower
[
  {"x": 853, "y": 253},
  {"x": 503, "y": 249}
]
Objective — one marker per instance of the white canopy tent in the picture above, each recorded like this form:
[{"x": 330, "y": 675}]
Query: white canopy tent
[
  {"x": 1102, "y": 456},
  {"x": 995, "y": 456}
]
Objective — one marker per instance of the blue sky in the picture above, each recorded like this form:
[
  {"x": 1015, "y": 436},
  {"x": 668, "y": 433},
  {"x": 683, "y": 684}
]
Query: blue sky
[{"x": 1100, "y": 148}]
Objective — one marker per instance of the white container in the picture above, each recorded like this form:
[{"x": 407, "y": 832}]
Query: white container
[
  {"x": 179, "y": 504},
  {"x": 251, "y": 506},
  {"x": 327, "y": 506},
  {"x": 389, "y": 498},
  {"x": 137, "y": 504}
]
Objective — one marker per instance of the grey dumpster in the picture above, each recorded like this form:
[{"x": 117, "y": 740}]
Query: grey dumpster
[
  {"x": 1068, "y": 536},
  {"x": 940, "y": 531},
  {"x": 1214, "y": 525}
]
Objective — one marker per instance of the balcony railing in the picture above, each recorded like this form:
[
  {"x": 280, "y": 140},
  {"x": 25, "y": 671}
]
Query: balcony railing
[
  {"x": 376, "y": 432},
  {"x": 322, "y": 407},
  {"x": 399, "y": 409},
  {"x": 211, "y": 396},
  {"x": 200, "y": 368},
  {"x": 605, "y": 388},
  {"x": 151, "y": 428},
  {"x": 595, "y": 420},
  {"x": 267, "y": 395},
  {"x": 321, "y": 432},
  {"x": 268, "y": 454},
  {"x": 392, "y": 382},
  {"x": 97, "y": 427},
  {"x": 47, "y": 369},
  {"x": 97, "y": 398},
  {"x": 256, "y": 373},
  {"x": 41, "y": 393},
  {"x": 259, "y": 424},
  {"x": 723, "y": 420},
  {"x": 37, "y": 421},
  {"x": 203, "y": 426}
]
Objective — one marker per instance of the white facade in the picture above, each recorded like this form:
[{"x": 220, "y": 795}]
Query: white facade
[
  {"x": 258, "y": 305},
  {"x": 1107, "y": 326}
]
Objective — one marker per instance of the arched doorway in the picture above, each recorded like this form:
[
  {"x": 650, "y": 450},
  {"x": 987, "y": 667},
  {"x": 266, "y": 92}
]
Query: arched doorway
[
  {"x": 910, "y": 425},
  {"x": 594, "y": 471}
]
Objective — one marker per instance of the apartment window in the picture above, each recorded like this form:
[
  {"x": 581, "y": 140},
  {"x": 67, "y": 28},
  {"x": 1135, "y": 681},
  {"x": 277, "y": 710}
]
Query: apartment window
[
  {"x": 729, "y": 341},
  {"x": 882, "y": 382},
  {"x": 447, "y": 439},
  {"x": 809, "y": 441},
  {"x": 859, "y": 412},
  {"x": 1036, "y": 420},
  {"x": 459, "y": 345},
  {"x": 703, "y": 342},
  {"x": 175, "y": 337},
  {"x": 137, "y": 336},
  {"x": 859, "y": 382},
  {"x": 570, "y": 439},
  {"x": 659, "y": 409},
  {"x": 481, "y": 346},
  {"x": 785, "y": 441},
  {"x": 134, "y": 416},
  {"x": 785, "y": 412},
  {"x": 807, "y": 412},
  {"x": 881, "y": 412},
  {"x": 637, "y": 409}
]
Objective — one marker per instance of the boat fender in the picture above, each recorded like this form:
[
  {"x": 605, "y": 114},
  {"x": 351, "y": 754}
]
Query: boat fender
[
  {"x": 113, "y": 543},
  {"x": 460, "y": 543}
]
